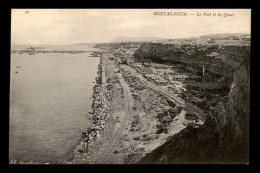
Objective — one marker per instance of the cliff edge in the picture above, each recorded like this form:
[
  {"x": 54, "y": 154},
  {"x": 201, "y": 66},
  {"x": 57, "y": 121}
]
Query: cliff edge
[{"x": 223, "y": 138}]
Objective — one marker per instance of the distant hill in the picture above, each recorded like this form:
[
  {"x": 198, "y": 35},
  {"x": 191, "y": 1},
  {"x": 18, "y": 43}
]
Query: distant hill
[
  {"x": 239, "y": 35},
  {"x": 151, "y": 39},
  {"x": 85, "y": 44},
  {"x": 136, "y": 39},
  {"x": 225, "y": 35}
]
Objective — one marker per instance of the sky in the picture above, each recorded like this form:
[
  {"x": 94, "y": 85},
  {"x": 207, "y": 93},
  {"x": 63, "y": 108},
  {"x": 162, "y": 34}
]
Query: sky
[{"x": 70, "y": 26}]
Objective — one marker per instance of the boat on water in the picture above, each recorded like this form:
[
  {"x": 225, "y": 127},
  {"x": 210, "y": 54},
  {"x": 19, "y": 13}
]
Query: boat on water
[
  {"x": 32, "y": 50},
  {"x": 31, "y": 53}
]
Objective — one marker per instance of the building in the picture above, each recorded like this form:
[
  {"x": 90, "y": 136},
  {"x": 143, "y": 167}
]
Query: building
[
  {"x": 193, "y": 78},
  {"x": 178, "y": 67},
  {"x": 211, "y": 41},
  {"x": 162, "y": 66},
  {"x": 233, "y": 38},
  {"x": 179, "y": 77},
  {"x": 246, "y": 39},
  {"x": 207, "y": 86}
]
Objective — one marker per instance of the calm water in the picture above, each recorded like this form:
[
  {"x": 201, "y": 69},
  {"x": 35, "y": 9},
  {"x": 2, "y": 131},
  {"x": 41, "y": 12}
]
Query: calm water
[{"x": 50, "y": 96}]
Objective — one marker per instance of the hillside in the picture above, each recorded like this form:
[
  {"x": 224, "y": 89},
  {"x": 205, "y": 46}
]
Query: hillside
[
  {"x": 223, "y": 138},
  {"x": 136, "y": 39},
  {"x": 225, "y": 35},
  {"x": 218, "y": 60},
  {"x": 85, "y": 44}
]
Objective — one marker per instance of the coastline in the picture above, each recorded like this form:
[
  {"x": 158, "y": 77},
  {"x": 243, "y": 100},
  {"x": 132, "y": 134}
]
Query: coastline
[
  {"x": 118, "y": 135},
  {"x": 57, "y": 124},
  {"x": 101, "y": 110}
]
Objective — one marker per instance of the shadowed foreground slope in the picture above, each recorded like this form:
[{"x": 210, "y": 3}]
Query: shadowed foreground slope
[{"x": 223, "y": 138}]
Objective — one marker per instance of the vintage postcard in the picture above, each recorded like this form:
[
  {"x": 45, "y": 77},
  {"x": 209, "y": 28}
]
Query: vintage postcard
[{"x": 129, "y": 86}]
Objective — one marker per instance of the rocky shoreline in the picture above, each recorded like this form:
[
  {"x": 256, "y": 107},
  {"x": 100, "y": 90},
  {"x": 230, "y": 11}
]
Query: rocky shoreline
[{"x": 102, "y": 110}]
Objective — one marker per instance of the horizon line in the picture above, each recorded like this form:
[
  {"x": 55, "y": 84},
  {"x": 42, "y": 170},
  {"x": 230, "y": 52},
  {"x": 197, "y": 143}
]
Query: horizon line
[{"x": 124, "y": 36}]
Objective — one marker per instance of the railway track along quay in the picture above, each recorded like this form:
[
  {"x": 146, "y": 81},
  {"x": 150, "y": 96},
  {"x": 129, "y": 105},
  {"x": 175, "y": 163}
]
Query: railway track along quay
[
  {"x": 176, "y": 100},
  {"x": 200, "y": 114},
  {"x": 103, "y": 157}
]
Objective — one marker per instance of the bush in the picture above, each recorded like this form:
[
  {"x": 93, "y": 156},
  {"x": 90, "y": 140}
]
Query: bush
[
  {"x": 173, "y": 115},
  {"x": 137, "y": 138},
  {"x": 135, "y": 122},
  {"x": 161, "y": 115},
  {"x": 171, "y": 103},
  {"x": 166, "y": 120},
  {"x": 172, "y": 110},
  {"x": 161, "y": 128},
  {"x": 189, "y": 116},
  {"x": 179, "y": 108}
]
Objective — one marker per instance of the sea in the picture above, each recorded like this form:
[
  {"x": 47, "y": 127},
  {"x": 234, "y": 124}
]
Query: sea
[{"x": 50, "y": 96}]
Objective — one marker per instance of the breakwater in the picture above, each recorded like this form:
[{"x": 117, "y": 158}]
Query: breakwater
[
  {"x": 102, "y": 110},
  {"x": 50, "y": 51}
]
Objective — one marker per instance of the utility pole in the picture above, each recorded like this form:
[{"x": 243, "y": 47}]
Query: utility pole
[{"x": 203, "y": 71}]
